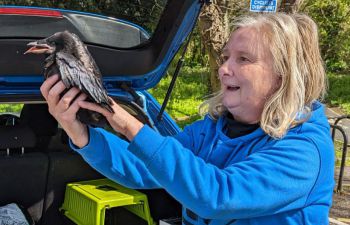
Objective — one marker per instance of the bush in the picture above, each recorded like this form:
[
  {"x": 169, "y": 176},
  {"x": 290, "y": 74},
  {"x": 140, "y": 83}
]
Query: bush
[
  {"x": 332, "y": 17},
  {"x": 339, "y": 91}
]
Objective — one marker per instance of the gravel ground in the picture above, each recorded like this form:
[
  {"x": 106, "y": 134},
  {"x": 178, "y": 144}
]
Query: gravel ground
[
  {"x": 341, "y": 201},
  {"x": 341, "y": 205}
]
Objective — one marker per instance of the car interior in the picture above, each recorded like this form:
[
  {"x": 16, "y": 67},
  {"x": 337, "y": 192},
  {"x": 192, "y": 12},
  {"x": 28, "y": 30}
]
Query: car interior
[{"x": 36, "y": 163}]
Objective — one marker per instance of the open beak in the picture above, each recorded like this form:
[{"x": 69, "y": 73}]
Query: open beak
[{"x": 38, "y": 48}]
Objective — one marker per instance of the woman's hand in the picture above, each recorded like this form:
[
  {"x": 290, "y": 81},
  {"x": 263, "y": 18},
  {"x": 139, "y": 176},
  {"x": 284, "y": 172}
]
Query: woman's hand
[
  {"x": 64, "y": 109},
  {"x": 121, "y": 121}
]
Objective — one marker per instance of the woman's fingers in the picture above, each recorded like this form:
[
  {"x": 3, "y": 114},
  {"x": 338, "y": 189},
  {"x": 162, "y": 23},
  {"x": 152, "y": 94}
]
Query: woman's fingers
[
  {"x": 53, "y": 96},
  {"x": 64, "y": 107},
  {"x": 73, "y": 109},
  {"x": 67, "y": 99},
  {"x": 52, "y": 92},
  {"x": 94, "y": 107},
  {"x": 47, "y": 85}
]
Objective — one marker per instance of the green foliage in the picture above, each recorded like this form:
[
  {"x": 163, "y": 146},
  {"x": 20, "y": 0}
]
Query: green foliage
[
  {"x": 338, "y": 147},
  {"x": 196, "y": 54},
  {"x": 339, "y": 91},
  {"x": 14, "y": 108},
  {"x": 189, "y": 92},
  {"x": 332, "y": 17}
]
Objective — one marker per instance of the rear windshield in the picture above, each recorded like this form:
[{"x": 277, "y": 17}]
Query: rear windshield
[{"x": 145, "y": 14}]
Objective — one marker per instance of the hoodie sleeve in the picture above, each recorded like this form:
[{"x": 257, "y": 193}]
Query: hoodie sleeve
[
  {"x": 108, "y": 154},
  {"x": 270, "y": 181}
]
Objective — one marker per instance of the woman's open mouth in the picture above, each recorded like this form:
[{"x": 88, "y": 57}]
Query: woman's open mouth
[{"x": 233, "y": 88}]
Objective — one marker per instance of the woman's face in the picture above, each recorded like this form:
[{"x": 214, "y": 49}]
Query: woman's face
[{"x": 246, "y": 75}]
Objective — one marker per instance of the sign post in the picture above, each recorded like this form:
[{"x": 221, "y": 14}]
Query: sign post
[{"x": 263, "y": 5}]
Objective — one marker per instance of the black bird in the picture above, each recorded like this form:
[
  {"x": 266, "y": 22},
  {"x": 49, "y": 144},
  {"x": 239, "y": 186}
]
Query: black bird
[{"x": 68, "y": 56}]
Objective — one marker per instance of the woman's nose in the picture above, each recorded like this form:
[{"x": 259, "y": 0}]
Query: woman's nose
[{"x": 224, "y": 69}]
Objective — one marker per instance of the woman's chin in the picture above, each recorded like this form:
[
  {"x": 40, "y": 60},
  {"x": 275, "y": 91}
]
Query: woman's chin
[
  {"x": 233, "y": 109},
  {"x": 231, "y": 105}
]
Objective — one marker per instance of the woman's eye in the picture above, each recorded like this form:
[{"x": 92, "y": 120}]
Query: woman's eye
[
  {"x": 243, "y": 59},
  {"x": 223, "y": 59}
]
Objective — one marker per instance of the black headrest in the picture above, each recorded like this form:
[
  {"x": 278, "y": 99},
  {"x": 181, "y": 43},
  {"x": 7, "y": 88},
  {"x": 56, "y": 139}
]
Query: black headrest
[
  {"x": 38, "y": 118},
  {"x": 16, "y": 137}
]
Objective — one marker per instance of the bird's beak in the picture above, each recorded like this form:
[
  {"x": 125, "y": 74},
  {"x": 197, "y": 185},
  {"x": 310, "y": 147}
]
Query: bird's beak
[{"x": 37, "y": 48}]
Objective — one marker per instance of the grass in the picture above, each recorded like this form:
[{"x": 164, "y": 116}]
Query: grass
[
  {"x": 339, "y": 96},
  {"x": 338, "y": 147},
  {"x": 339, "y": 91},
  {"x": 189, "y": 92}
]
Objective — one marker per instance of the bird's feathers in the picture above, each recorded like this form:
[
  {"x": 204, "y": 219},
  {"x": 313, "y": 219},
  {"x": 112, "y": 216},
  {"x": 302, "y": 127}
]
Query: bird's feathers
[
  {"x": 69, "y": 56},
  {"x": 74, "y": 74},
  {"x": 82, "y": 53}
]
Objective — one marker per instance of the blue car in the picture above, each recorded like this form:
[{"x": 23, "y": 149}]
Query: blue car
[{"x": 36, "y": 162}]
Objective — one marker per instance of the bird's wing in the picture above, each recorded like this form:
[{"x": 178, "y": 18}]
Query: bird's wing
[
  {"x": 85, "y": 56},
  {"x": 73, "y": 73}
]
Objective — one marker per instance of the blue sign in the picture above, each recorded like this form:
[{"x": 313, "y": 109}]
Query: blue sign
[{"x": 263, "y": 5}]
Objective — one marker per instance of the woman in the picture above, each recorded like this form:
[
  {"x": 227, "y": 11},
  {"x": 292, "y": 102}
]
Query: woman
[{"x": 262, "y": 154}]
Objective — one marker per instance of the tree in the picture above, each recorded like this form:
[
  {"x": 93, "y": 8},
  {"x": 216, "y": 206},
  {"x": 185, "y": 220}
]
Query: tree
[
  {"x": 290, "y": 6},
  {"x": 214, "y": 29},
  {"x": 214, "y": 36}
]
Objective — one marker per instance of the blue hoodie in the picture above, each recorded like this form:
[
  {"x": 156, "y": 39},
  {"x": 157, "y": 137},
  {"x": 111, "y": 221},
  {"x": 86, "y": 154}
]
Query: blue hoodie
[{"x": 253, "y": 179}]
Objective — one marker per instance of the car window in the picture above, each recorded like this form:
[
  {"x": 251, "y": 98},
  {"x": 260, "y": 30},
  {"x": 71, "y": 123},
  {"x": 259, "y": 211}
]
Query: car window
[
  {"x": 9, "y": 113},
  {"x": 145, "y": 14}
]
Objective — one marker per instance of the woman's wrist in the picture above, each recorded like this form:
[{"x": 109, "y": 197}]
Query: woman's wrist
[
  {"x": 81, "y": 138},
  {"x": 132, "y": 129}
]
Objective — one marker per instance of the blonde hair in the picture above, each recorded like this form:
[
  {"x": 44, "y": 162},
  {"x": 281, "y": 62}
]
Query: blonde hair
[{"x": 293, "y": 42}]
